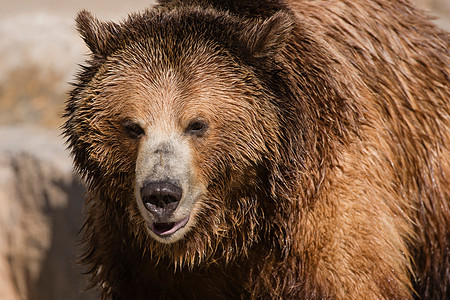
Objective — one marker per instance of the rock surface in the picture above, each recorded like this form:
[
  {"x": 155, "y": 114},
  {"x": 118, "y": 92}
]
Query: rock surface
[{"x": 40, "y": 216}]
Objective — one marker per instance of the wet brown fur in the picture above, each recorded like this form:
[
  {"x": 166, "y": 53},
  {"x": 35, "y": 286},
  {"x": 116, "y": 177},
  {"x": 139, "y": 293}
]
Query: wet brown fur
[{"x": 327, "y": 167}]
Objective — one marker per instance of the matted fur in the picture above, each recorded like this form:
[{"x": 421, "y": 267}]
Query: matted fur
[{"x": 327, "y": 166}]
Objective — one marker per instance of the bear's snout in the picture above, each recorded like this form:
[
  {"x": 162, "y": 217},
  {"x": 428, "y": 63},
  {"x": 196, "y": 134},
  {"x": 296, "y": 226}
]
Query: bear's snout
[
  {"x": 166, "y": 189},
  {"x": 161, "y": 198}
]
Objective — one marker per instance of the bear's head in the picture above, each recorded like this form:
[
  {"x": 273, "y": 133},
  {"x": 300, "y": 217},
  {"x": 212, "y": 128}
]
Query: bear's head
[{"x": 174, "y": 125}]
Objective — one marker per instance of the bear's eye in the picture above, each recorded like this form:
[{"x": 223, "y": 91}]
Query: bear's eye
[
  {"x": 132, "y": 129},
  {"x": 197, "y": 128}
]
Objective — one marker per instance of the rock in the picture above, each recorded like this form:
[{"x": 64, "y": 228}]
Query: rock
[{"x": 40, "y": 217}]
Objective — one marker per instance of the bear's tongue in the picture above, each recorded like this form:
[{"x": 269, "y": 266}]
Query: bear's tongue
[
  {"x": 164, "y": 229},
  {"x": 160, "y": 228}
]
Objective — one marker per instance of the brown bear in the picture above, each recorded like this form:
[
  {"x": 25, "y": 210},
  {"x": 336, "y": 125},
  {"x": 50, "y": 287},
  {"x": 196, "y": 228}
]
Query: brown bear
[{"x": 271, "y": 149}]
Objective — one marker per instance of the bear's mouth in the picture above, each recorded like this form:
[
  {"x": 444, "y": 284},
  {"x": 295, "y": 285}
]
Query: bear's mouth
[{"x": 166, "y": 229}]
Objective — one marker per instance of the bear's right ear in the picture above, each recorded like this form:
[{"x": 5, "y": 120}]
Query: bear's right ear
[
  {"x": 267, "y": 37},
  {"x": 100, "y": 37}
]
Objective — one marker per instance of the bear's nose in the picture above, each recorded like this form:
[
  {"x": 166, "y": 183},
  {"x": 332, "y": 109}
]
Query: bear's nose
[{"x": 161, "y": 198}]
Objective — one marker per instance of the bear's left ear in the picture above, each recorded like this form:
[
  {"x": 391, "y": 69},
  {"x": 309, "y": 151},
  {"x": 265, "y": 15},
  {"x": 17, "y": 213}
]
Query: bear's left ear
[
  {"x": 269, "y": 36},
  {"x": 100, "y": 37}
]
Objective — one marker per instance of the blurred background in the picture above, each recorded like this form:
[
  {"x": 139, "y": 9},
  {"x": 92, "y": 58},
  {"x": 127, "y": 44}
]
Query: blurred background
[{"x": 40, "y": 197}]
